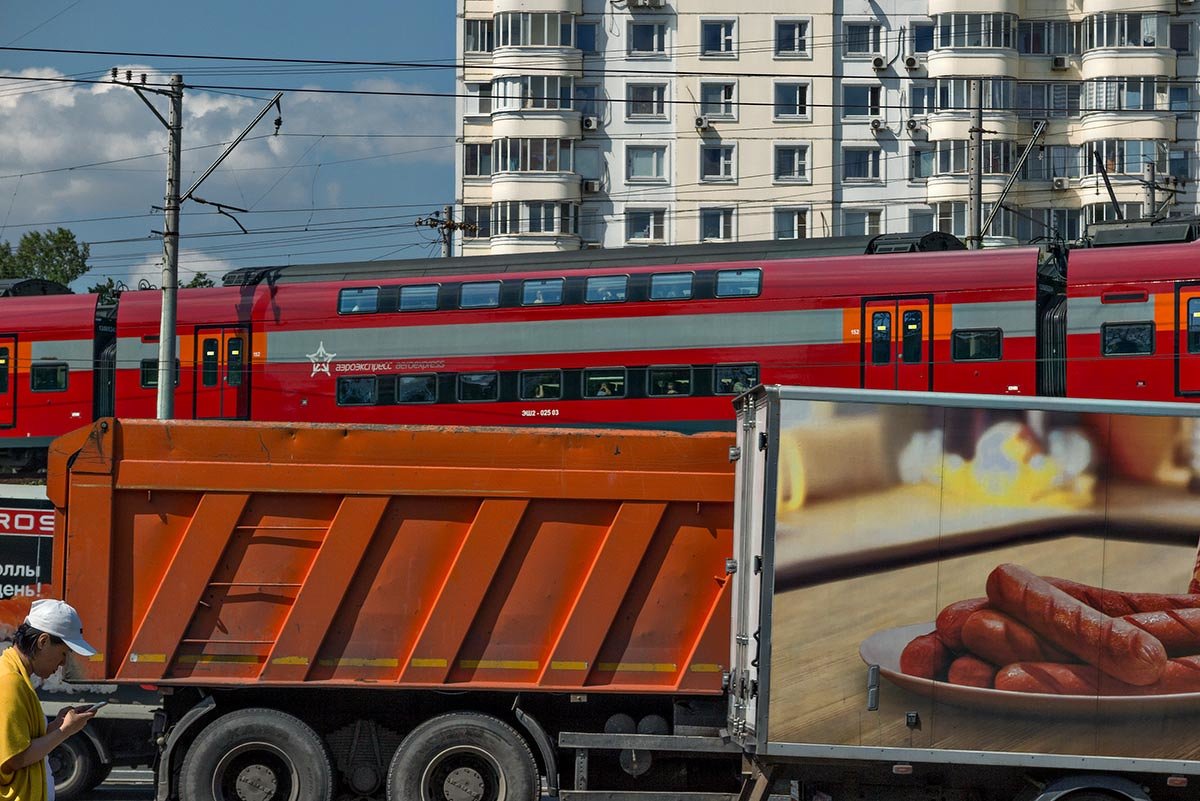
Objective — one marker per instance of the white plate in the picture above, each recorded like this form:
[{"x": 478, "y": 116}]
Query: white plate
[{"x": 883, "y": 648}]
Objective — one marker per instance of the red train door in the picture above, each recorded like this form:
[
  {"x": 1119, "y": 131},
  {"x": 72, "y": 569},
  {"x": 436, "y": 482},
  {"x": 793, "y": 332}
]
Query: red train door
[
  {"x": 221, "y": 382},
  {"x": 8, "y": 381},
  {"x": 1187, "y": 339},
  {"x": 897, "y": 343}
]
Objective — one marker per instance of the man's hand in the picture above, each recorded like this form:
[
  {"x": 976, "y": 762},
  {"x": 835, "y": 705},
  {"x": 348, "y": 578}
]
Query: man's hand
[{"x": 73, "y": 721}]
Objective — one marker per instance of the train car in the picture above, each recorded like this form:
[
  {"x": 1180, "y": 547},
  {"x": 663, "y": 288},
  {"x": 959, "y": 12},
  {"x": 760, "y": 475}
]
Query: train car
[{"x": 48, "y": 346}]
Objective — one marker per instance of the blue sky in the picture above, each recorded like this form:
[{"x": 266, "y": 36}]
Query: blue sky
[{"x": 345, "y": 180}]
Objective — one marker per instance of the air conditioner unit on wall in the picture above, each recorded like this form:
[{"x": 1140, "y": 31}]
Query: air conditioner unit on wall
[
  {"x": 912, "y": 124},
  {"x": 646, "y": 3},
  {"x": 877, "y": 125},
  {"x": 702, "y": 122},
  {"x": 1059, "y": 63},
  {"x": 1060, "y": 182},
  {"x": 590, "y": 123},
  {"x": 879, "y": 62},
  {"x": 591, "y": 186},
  {"x": 912, "y": 62}
]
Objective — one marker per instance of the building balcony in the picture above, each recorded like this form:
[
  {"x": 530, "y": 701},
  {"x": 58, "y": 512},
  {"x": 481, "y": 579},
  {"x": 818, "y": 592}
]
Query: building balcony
[
  {"x": 507, "y": 61},
  {"x": 569, "y": 6},
  {"x": 949, "y": 188},
  {"x": 537, "y": 122},
  {"x": 1127, "y": 188},
  {"x": 1097, "y": 125},
  {"x": 957, "y": 125},
  {"x": 968, "y": 62},
  {"x": 534, "y": 243},
  {"x": 974, "y": 6},
  {"x": 552, "y": 186},
  {"x": 1107, "y": 62},
  {"x": 1144, "y": 7}
]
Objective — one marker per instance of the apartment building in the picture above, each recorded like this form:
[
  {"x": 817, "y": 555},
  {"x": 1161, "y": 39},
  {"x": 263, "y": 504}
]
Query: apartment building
[{"x": 598, "y": 123}]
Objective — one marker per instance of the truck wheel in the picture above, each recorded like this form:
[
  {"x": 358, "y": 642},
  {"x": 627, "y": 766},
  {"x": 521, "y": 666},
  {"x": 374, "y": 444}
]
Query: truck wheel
[
  {"x": 463, "y": 756},
  {"x": 257, "y": 755},
  {"x": 75, "y": 766}
]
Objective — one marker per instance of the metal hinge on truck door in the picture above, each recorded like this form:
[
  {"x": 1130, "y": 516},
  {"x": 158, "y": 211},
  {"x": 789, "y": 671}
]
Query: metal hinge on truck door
[{"x": 762, "y": 440}]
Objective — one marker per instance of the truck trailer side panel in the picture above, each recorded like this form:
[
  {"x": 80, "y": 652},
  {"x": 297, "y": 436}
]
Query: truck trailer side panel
[{"x": 227, "y": 554}]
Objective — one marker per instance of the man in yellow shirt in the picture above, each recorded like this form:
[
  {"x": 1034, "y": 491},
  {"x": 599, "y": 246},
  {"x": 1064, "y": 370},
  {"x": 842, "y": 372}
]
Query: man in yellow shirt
[{"x": 39, "y": 648}]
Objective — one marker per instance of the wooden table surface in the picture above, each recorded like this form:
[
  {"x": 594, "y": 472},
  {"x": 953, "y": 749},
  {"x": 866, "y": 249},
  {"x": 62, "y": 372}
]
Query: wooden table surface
[{"x": 818, "y": 679}]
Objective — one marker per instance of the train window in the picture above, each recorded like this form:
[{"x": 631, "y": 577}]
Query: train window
[
  {"x": 475, "y": 387},
  {"x": 671, "y": 286},
  {"x": 738, "y": 283},
  {"x": 48, "y": 377},
  {"x": 479, "y": 295},
  {"x": 605, "y": 382},
  {"x": 416, "y": 388},
  {"x": 150, "y": 373},
  {"x": 1193, "y": 325},
  {"x": 359, "y": 300},
  {"x": 912, "y": 337},
  {"x": 607, "y": 289},
  {"x": 542, "y": 291},
  {"x": 1127, "y": 339},
  {"x": 357, "y": 391},
  {"x": 235, "y": 350},
  {"x": 209, "y": 369},
  {"x": 541, "y": 384},
  {"x": 419, "y": 298},
  {"x": 881, "y": 338},
  {"x": 976, "y": 345},
  {"x": 665, "y": 381},
  {"x": 734, "y": 379},
  {"x": 3, "y": 370}
]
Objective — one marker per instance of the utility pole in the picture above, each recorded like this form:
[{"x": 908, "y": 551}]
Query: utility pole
[
  {"x": 170, "y": 269},
  {"x": 1151, "y": 181},
  {"x": 448, "y": 229},
  {"x": 975, "y": 168},
  {"x": 444, "y": 222}
]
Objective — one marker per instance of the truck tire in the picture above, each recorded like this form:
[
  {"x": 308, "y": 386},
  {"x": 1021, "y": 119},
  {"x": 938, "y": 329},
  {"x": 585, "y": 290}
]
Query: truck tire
[
  {"x": 257, "y": 755},
  {"x": 461, "y": 756},
  {"x": 76, "y": 766}
]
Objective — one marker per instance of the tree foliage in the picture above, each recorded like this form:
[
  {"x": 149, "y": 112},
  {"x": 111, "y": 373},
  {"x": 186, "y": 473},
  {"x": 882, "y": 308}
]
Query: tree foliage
[{"x": 53, "y": 255}]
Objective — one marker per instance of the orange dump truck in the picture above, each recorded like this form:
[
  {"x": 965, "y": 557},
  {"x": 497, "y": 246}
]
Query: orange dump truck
[{"x": 406, "y": 612}]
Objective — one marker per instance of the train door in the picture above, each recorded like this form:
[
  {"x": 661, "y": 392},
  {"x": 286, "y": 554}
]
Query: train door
[
  {"x": 8, "y": 381},
  {"x": 898, "y": 344},
  {"x": 221, "y": 382},
  {"x": 1187, "y": 338}
]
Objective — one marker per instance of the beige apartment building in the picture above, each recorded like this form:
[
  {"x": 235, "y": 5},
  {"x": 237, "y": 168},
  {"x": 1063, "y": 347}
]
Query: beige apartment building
[{"x": 586, "y": 123}]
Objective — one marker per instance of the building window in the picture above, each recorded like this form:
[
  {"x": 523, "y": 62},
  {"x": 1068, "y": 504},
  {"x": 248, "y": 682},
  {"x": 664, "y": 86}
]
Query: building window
[
  {"x": 952, "y": 156},
  {"x": 716, "y": 163},
  {"x": 479, "y": 99},
  {"x": 533, "y": 155},
  {"x": 861, "y": 100},
  {"x": 540, "y": 215},
  {"x": 1181, "y": 38},
  {"x": 954, "y": 94},
  {"x": 1179, "y": 165},
  {"x": 477, "y": 160},
  {"x": 477, "y": 36},
  {"x": 645, "y": 225},
  {"x": 920, "y": 221},
  {"x": 1126, "y": 30},
  {"x": 791, "y": 163},
  {"x": 1052, "y": 162},
  {"x": 791, "y": 101},
  {"x": 477, "y": 221},
  {"x": 542, "y": 292},
  {"x": 587, "y": 101},
  {"x": 862, "y": 38},
  {"x": 860, "y": 164},
  {"x": 647, "y": 38},
  {"x": 533, "y": 92},
  {"x": 716, "y": 225},
  {"x": 716, "y": 38},
  {"x": 920, "y": 162},
  {"x": 791, "y": 38},
  {"x": 1180, "y": 98},
  {"x": 1050, "y": 38},
  {"x": 539, "y": 29},
  {"x": 922, "y": 37},
  {"x": 645, "y": 162},
  {"x": 922, "y": 99},
  {"x": 717, "y": 99},
  {"x": 1042, "y": 100},
  {"x": 791, "y": 223},
  {"x": 646, "y": 101},
  {"x": 975, "y": 30},
  {"x": 861, "y": 222},
  {"x": 1129, "y": 157},
  {"x": 585, "y": 36}
]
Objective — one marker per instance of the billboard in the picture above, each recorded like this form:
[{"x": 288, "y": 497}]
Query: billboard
[{"x": 1021, "y": 580}]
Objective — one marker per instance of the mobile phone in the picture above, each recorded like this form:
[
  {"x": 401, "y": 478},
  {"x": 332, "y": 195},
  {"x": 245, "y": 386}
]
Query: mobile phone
[{"x": 92, "y": 707}]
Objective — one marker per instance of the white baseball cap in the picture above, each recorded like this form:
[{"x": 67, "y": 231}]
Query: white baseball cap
[{"x": 60, "y": 619}]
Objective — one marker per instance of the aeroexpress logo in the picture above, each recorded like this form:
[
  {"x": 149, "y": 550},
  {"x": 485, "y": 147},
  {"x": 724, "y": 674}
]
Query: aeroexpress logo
[{"x": 320, "y": 360}]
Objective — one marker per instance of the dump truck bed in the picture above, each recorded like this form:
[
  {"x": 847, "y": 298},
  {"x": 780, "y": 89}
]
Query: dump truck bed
[{"x": 215, "y": 553}]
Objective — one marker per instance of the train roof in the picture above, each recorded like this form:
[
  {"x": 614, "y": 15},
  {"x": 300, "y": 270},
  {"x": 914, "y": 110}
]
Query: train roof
[
  {"x": 24, "y": 287},
  {"x": 767, "y": 250}
]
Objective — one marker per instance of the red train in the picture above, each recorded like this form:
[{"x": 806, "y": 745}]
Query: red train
[{"x": 659, "y": 337}]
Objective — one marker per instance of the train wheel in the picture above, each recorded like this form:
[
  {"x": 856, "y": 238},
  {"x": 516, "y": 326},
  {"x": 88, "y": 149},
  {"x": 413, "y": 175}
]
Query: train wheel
[
  {"x": 75, "y": 765},
  {"x": 463, "y": 756},
  {"x": 257, "y": 755}
]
